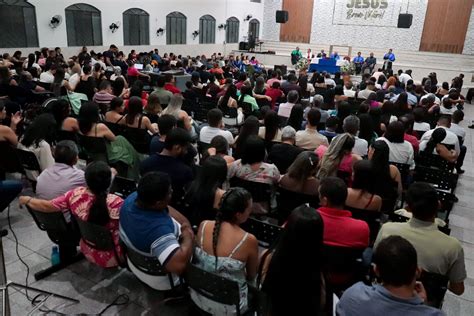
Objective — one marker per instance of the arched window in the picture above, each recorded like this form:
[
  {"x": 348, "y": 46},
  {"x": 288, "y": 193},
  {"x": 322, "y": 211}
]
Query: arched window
[
  {"x": 232, "y": 30},
  {"x": 84, "y": 25},
  {"x": 254, "y": 28},
  {"x": 17, "y": 24},
  {"x": 175, "y": 28},
  {"x": 207, "y": 30},
  {"x": 136, "y": 27}
]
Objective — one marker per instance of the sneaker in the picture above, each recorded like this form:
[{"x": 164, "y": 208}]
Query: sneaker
[{"x": 460, "y": 171}]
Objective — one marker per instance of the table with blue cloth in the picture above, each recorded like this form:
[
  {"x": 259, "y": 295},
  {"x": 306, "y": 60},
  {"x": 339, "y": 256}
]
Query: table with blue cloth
[{"x": 325, "y": 64}]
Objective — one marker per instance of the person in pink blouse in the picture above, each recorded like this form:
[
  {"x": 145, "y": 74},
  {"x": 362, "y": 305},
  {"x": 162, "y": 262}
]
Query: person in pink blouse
[{"x": 91, "y": 204}]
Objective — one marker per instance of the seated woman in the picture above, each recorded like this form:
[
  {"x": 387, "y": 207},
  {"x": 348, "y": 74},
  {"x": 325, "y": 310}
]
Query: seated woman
[
  {"x": 250, "y": 127},
  {"x": 227, "y": 250},
  {"x": 246, "y": 96},
  {"x": 7, "y": 133},
  {"x": 303, "y": 231},
  {"x": 301, "y": 176},
  {"x": 229, "y": 100},
  {"x": 435, "y": 146},
  {"x": 388, "y": 182},
  {"x": 362, "y": 193},
  {"x": 135, "y": 118},
  {"x": 174, "y": 109},
  {"x": 118, "y": 148},
  {"x": 219, "y": 147},
  {"x": 270, "y": 132},
  {"x": 37, "y": 139},
  {"x": 87, "y": 84},
  {"x": 337, "y": 158},
  {"x": 205, "y": 192},
  {"x": 401, "y": 151},
  {"x": 137, "y": 91},
  {"x": 61, "y": 110},
  {"x": 91, "y": 204},
  {"x": 153, "y": 109},
  {"x": 115, "y": 114}
]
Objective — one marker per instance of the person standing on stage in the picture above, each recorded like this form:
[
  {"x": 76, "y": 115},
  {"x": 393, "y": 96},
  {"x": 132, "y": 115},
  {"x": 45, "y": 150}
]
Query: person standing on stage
[
  {"x": 358, "y": 61},
  {"x": 369, "y": 63},
  {"x": 388, "y": 58},
  {"x": 336, "y": 56},
  {"x": 296, "y": 55}
]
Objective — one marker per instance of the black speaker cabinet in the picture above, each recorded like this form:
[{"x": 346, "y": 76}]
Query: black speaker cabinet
[
  {"x": 281, "y": 16},
  {"x": 282, "y": 68},
  {"x": 405, "y": 20},
  {"x": 243, "y": 46}
]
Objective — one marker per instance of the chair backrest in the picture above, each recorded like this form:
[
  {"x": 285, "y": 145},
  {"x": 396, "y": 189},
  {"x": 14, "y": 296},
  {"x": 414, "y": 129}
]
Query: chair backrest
[
  {"x": 139, "y": 138},
  {"x": 66, "y": 135},
  {"x": 147, "y": 264},
  {"x": 343, "y": 267},
  {"x": 436, "y": 286},
  {"x": 115, "y": 128},
  {"x": 404, "y": 173},
  {"x": 28, "y": 160},
  {"x": 261, "y": 192},
  {"x": 202, "y": 147},
  {"x": 123, "y": 187},
  {"x": 213, "y": 286},
  {"x": 372, "y": 218},
  {"x": 441, "y": 179},
  {"x": 266, "y": 234},
  {"x": 246, "y": 108},
  {"x": 96, "y": 236},
  {"x": 94, "y": 147},
  {"x": 288, "y": 200},
  {"x": 435, "y": 161},
  {"x": 53, "y": 223},
  {"x": 8, "y": 158}
]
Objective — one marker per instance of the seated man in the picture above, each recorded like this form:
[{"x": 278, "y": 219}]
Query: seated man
[
  {"x": 284, "y": 110},
  {"x": 283, "y": 154},
  {"x": 310, "y": 139},
  {"x": 214, "y": 118},
  {"x": 63, "y": 176},
  {"x": 170, "y": 161},
  {"x": 437, "y": 252},
  {"x": 351, "y": 125},
  {"x": 166, "y": 123},
  {"x": 148, "y": 225},
  {"x": 104, "y": 96},
  {"x": 398, "y": 294},
  {"x": 340, "y": 229}
]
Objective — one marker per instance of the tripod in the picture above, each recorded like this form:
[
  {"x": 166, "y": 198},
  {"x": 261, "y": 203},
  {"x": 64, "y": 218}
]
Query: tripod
[{"x": 5, "y": 284}]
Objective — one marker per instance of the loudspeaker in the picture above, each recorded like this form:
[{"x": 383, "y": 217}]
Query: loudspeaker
[
  {"x": 404, "y": 20},
  {"x": 282, "y": 68},
  {"x": 281, "y": 16},
  {"x": 243, "y": 46}
]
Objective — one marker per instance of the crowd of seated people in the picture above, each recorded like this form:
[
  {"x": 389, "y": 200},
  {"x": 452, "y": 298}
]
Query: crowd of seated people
[{"x": 219, "y": 153}]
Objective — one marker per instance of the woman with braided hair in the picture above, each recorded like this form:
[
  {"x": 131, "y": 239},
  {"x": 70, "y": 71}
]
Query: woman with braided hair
[{"x": 227, "y": 250}]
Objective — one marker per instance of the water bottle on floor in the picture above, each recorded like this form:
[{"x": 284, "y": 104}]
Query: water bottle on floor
[{"x": 55, "y": 256}]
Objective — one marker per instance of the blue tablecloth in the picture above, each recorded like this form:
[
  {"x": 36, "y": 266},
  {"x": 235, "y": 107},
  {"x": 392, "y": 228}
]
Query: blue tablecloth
[{"x": 328, "y": 65}]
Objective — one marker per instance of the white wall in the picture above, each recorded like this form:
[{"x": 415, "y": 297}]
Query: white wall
[
  {"x": 469, "y": 41},
  {"x": 271, "y": 29},
  {"x": 325, "y": 32},
  {"x": 111, "y": 11}
]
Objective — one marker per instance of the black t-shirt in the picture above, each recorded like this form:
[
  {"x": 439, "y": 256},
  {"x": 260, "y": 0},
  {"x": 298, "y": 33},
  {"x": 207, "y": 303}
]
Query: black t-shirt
[
  {"x": 282, "y": 155},
  {"x": 111, "y": 56}
]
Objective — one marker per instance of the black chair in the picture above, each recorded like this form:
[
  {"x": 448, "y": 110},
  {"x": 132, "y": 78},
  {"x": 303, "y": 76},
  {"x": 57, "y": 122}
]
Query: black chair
[
  {"x": 9, "y": 162},
  {"x": 28, "y": 162},
  {"x": 202, "y": 148},
  {"x": 139, "y": 138},
  {"x": 66, "y": 135},
  {"x": 230, "y": 114},
  {"x": 372, "y": 218},
  {"x": 115, "y": 128},
  {"x": 123, "y": 187},
  {"x": 246, "y": 109},
  {"x": 404, "y": 173},
  {"x": 436, "y": 286},
  {"x": 435, "y": 161},
  {"x": 61, "y": 233},
  {"x": 288, "y": 200},
  {"x": 215, "y": 288},
  {"x": 441, "y": 179},
  {"x": 266, "y": 234},
  {"x": 95, "y": 148},
  {"x": 97, "y": 237},
  {"x": 261, "y": 192},
  {"x": 147, "y": 264},
  {"x": 447, "y": 201}
]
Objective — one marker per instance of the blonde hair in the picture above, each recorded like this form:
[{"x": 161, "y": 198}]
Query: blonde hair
[
  {"x": 329, "y": 164},
  {"x": 174, "y": 106}
]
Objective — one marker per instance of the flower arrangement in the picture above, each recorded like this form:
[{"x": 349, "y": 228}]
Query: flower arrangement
[
  {"x": 302, "y": 64},
  {"x": 348, "y": 68}
]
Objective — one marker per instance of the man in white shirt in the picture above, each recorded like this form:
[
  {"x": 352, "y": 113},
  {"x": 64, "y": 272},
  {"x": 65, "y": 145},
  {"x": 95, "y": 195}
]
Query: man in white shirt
[
  {"x": 329, "y": 81},
  {"x": 369, "y": 89},
  {"x": 48, "y": 76},
  {"x": 451, "y": 139},
  {"x": 351, "y": 125},
  {"x": 284, "y": 109},
  {"x": 404, "y": 77},
  {"x": 214, "y": 118},
  {"x": 348, "y": 92},
  {"x": 310, "y": 139}
]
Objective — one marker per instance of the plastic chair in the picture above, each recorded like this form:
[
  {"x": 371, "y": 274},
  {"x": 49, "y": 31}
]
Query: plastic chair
[
  {"x": 261, "y": 192},
  {"x": 123, "y": 187},
  {"x": 288, "y": 200},
  {"x": 266, "y": 234},
  {"x": 139, "y": 138},
  {"x": 372, "y": 218},
  {"x": 95, "y": 148},
  {"x": 436, "y": 286}
]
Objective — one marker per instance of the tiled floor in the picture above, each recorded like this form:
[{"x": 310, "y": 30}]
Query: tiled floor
[{"x": 96, "y": 287}]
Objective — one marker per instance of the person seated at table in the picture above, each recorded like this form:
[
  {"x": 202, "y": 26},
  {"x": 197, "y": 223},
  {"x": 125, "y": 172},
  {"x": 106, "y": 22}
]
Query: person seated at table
[
  {"x": 227, "y": 250},
  {"x": 301, "y": 176},
  {"x": 92, "y": 204},
  {"x": 362, "y": 193}
]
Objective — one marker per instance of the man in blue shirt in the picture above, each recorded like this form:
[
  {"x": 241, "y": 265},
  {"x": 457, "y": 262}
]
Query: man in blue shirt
[
  {"x": 358, "y": 61},
  {"x": 388, "y": 58},
  {"x": 369, "y": 63},
  {"x": 336, "y": 56},
  {"x": 156, "y": 56},
  {"x": 149, "y": 226},
  {"x": 398, "y": 294}
]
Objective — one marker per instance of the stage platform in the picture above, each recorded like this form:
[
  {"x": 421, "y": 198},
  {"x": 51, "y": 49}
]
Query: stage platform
[{"x": 446, "y": 66}]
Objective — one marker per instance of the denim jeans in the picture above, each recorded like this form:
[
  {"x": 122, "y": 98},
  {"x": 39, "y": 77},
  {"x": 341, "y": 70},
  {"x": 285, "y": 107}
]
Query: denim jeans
[{"x": 9, "y": 189}]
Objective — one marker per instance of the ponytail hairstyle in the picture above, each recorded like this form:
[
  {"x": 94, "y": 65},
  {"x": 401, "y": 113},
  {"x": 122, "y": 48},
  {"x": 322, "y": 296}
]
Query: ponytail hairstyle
[
  {"x": 98, "y": 178},
  {"x": 235, "y": 200},
  {"x": 437, "y": 137}
]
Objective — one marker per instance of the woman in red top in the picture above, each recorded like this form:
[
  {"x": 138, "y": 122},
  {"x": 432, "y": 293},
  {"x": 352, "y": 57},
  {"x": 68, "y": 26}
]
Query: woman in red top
[{"x": 275, "y": 93}]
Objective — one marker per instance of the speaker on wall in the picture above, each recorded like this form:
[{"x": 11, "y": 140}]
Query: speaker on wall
[
  {"x": 281, "y": 16},
  {"x": 404, "y": 20}
]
